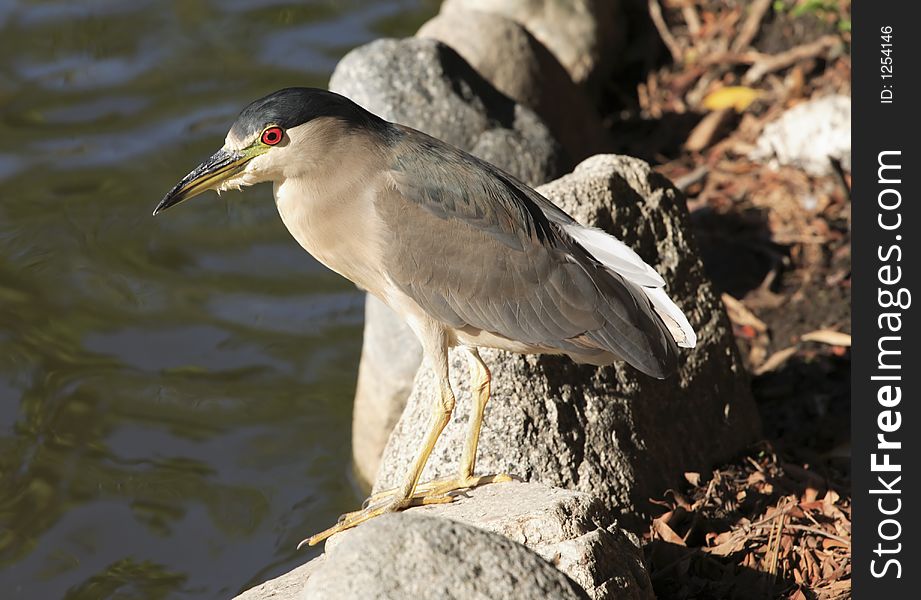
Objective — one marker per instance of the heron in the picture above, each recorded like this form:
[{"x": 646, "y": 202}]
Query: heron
[{"x": 466, "y": 254}]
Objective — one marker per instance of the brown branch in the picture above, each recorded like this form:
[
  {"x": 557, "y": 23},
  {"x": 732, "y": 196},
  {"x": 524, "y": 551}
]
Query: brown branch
[
  {"x": 821, "y": 532},
  {"x": 731, "y": 58},
  {"x": 655, "y": 13},
  {"x": 695, "y": 176},
  {"x": 691, "y": 18},
  {"x": 789, "y": 58},
  {"x": 752, "y": 24},
  {"x": 775, "y": 546}
]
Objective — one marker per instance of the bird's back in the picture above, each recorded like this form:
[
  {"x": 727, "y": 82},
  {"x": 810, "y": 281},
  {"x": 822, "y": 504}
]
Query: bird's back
[{"x": 478, "y": 250}]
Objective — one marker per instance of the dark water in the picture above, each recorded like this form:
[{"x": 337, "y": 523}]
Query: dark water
[{"x": 175, "y": 393}]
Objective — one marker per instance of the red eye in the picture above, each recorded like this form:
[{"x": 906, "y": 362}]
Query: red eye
[{"x": 272, "y": 136}]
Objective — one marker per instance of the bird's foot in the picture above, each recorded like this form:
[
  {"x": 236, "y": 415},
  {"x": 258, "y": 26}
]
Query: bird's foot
[
  {"x": 442, "y": 487},
  {"x": 372, "y": 508},
  {"x": 437, "y": 491},
  {"x": 446, "y": 485}
]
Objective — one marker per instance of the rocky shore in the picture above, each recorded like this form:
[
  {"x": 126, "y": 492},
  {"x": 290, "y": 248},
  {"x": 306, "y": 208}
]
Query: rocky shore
[{"x": 515, "y": 82}]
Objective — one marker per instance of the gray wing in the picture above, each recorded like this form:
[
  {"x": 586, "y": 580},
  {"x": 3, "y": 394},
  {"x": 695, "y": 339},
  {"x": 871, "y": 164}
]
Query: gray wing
[{"x": 473, "y": 246}]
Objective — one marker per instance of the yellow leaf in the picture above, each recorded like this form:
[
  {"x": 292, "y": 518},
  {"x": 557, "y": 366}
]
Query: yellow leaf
[{"x": 737, "y": 97}]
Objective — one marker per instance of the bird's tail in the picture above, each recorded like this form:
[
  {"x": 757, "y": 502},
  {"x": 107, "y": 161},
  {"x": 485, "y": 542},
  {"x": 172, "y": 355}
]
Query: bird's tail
[{"x": 662, "y": 324}]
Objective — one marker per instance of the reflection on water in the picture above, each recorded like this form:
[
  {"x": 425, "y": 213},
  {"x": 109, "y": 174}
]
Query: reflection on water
[{"x": 175, "y": 393}]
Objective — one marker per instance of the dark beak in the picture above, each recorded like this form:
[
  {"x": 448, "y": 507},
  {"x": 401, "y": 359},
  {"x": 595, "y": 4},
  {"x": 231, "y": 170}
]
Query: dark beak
[{"x": 208, "y": 175}]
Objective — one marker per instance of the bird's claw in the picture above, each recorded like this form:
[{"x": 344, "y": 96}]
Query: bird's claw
[
  {"x": 443, "y": 486},
  {"x": 371, "y": 508}
]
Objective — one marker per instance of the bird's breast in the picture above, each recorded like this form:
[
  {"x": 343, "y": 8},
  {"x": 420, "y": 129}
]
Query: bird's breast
[{"x": 336, "y": 224}]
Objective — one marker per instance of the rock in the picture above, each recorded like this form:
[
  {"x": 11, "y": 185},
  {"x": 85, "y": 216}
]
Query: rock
[
  {"x": 406, "y": 555},
  {"x": 284, "y": 587},
  {"x": 426, "y": 85},
  {"x": 612, "y": 432},
  {"x": 586, "y": 36},
  {"x": 808, "y": 134},
  {"x": 519, "y": 66},
  {"x": 571, "y": 530}
]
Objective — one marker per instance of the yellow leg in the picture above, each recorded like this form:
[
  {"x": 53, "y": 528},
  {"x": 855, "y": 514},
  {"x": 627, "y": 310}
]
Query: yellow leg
[
  {"x": 480, "y": 379},
  {"x": 438, "y": 488},
  {"x": 403, "y": 496}
]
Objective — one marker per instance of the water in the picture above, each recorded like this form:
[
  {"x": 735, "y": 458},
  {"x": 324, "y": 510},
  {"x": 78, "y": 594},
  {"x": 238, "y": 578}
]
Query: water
[{"x": 175, "y": 393}]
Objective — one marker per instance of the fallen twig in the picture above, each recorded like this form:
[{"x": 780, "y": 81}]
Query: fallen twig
[
  {"x": 689, "y": 12},
  {"x": 821, "y": 532},
  {"x": 792, "y": 56},
  {"x": 752, "y": 24},
  {"x": 828, "y": 336},
  {"x": 707, "y": 131},
  {"x": 775, "y": 361},
  {"x": 741, "y": 315},
  {"x": 774, "y": 543},
  {"x": 731, "y": 58},
  {"x": 695, "y": 176},
  {"x": 655, "y": 13}
]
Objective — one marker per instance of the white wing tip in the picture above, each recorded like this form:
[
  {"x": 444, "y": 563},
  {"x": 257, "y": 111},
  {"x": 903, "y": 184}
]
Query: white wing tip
[
  {"x": 620, "y": 258},
  {"x": 674, "y": 319},
  {"x": 689, "y": 341},
  {"x": 615, "y": 255}
]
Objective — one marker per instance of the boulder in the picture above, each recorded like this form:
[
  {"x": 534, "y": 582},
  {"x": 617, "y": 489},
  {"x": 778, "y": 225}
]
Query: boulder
[
  {"x": 571, "y": 531},
  {"x": 408, "y": 555},
  {"x": 519, "y": 66},
  {"x": 586, "y": 36},
  {"x": 284, "y": 587},
  {"x": 426, "y": 85},
  {"x": 612, "y": 431}
]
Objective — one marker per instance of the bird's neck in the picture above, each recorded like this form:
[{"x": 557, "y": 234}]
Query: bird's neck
[{"x": 333, "y": 218}]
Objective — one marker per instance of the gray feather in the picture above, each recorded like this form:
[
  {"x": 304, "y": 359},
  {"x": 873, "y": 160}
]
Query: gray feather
[{"x": 473, "y": 246}]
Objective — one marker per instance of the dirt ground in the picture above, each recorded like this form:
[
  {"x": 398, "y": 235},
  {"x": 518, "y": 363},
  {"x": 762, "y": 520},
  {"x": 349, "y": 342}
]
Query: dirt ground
[{"x": 701, "y": 80}]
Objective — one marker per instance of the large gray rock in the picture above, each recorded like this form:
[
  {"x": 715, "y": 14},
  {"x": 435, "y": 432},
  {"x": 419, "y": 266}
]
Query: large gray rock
[
  {"x": 406, "y": 555},
  {"x": 573, "y": 531},
  {"x": 585, "y": 35},
  {"x": 519, "y": 66},
  {"x": 613, "y": 432},
  {"x": 284, "y": 587},
  {"x": 426, "y": 85}
]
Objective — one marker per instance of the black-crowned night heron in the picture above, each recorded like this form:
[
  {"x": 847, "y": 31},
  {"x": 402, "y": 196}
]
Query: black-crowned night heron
[{"x": 468, "y": 255}]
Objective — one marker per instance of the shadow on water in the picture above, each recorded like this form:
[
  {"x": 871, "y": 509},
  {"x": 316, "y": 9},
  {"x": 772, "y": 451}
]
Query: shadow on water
[{"x": 175, "y": 393}]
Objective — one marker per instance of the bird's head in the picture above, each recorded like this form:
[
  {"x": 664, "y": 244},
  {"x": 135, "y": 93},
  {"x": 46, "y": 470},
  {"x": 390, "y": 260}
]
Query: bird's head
[{"x": 282, "y": 135}]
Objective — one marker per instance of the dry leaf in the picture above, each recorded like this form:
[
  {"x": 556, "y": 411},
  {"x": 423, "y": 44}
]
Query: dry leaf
[
  {"x": 828, "y": 336},
  {"x": 736, "y": 96},
  {"x": 755, "y": 477},
  {"x": 775, "y": 360},
  {"x": 693, "y": 478},
  {"x": 740, "y": 315},
  {"x": 708, "y": 130},
  {"x": 828, "y": 543},
  {"x": 810, "y": 494},
  {"x": 733, "y": 544},
  {"x": 662, "y": 529}
]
